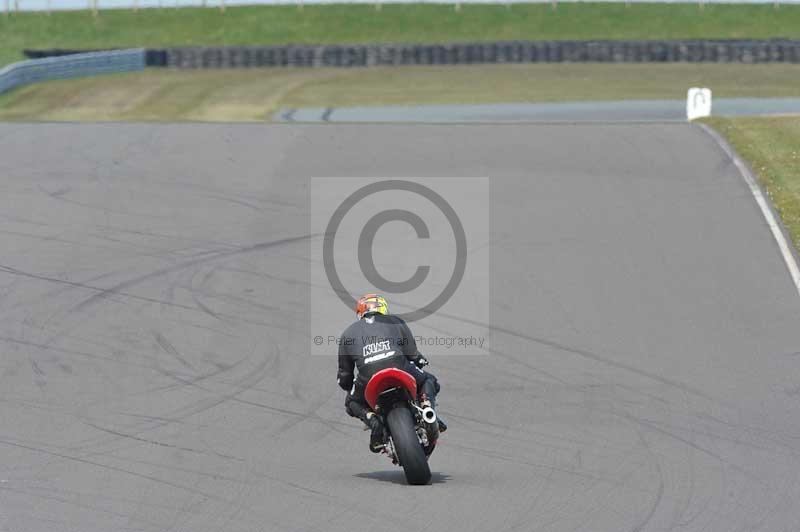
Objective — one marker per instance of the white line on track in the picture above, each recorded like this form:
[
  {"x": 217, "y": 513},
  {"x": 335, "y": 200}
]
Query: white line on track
[{"x": 755, "y": 189}]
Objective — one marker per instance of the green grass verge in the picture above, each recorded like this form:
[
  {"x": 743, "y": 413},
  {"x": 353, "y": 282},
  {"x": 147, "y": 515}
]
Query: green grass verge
[
  {"x": 392, "y": 23},
  {"x": 542, "y": 83},
  {"x": 246, "y": 95},
  {"x": 772, "y": 147}
]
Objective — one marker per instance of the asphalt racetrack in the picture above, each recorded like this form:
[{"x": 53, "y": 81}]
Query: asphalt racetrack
[{"x": 644, "y": 372}]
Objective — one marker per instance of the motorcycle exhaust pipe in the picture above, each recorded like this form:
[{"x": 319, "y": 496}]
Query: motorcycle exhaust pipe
[{"x": 428, "y": 415}]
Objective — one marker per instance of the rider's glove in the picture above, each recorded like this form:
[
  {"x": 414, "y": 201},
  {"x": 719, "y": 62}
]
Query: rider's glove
[
  {"x": 345, "y": 381},
  {"x": 420, "y": 361}
]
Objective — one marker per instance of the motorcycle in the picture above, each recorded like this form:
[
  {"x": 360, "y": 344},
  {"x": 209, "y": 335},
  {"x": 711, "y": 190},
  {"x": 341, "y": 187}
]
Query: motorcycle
[{"x": 410, "y": 430}]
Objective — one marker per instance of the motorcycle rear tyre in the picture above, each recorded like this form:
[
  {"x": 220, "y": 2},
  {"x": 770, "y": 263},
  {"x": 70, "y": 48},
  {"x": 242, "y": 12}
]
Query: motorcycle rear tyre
[{"x": 409, "y": 451}]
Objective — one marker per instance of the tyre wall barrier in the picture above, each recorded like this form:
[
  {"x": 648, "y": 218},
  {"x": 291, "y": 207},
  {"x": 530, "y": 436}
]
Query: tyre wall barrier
[{"x": 720, "y": 51}]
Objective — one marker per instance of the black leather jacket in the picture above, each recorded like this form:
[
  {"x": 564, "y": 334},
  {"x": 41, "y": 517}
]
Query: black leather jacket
[{"x": 371, "y": 344}]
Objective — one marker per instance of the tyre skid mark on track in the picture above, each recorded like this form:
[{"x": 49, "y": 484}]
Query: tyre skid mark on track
[
  {"x": 225, "y": 193},
  {"x": 77, "y": 504},
  {"x": 660, "y": 494},
  {"x": 109, "y": 454},
  {"x": 507, "y": 356},
  {"x": 103, "y": 208},
  {"x": 597, "y": 358},
  {"x": 524, "y": 521},
  {"x": 302, "y": 416},
  {"x": 758, "y": 431},
  {"x": 181, "y": 382},
  {"x": 235, "y": 299},
  {"x": 134, "y": 249},
  {"x": 51, "y": 294},
  {"x": 545, "y": 467},
  {"x": 757, "y": 521},
  {"x": 719, "y": 458},
  {"x": 783, "y": 449},
  {"x": 60, "y": 240},
  {"x": 219, "y": 369},
  {"x": 64, "y": 495},
  {"x": 535, "y": 442},
  {"x": 619, "y": 482},
  {"x": 790, "y": 443},
  {"x": 151, "y": 478},
  {"x": 310, "y": 414},
  {"x": 199, "y": 292},
  {"x": 271, "y": 277},
  {"x": 205, "y": 308},
  {"x": 204, "y": 327},
  {"x": 161, "y": 443},
  {"x": 198, "y": 406},
  {"x": 238, "y": 387},
  {"x": 170, "y": 349},
  {"x": 72, "y": 352},
  {"x": 789, "y": 449},
  {"x": 160, "y": 465},
  {"x": 681, "y": 519},
  {"x": 561, "y": 511},
  {"x": 106, "y": 292},
  {"x": 244, "y": 488},
  {"x": 192, "y": 290},
  {"x": 210, "y": 256},
  {"x": 214, "y": 244},
  {"x": 235, "y": 201},
  {"x": 102, "y": 292},
  {"x": 576, "y": 351},
  {"x": 506, "y": 374}
]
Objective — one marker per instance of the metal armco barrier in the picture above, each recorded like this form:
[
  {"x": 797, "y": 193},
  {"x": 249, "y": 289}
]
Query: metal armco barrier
[
  {"x": 70, "y": 66},
  {"x": 717, "y": 51}
]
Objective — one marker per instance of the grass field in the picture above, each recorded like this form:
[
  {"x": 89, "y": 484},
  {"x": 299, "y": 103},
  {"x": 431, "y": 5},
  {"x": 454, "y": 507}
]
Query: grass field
[
  {"x": 772, "y": 147},
  {"x": 392, "y": 23},
  {"x": 250, "y": 95}
]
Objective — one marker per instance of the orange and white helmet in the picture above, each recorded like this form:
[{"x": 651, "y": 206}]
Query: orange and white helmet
[{"x": 371, "y": 303}]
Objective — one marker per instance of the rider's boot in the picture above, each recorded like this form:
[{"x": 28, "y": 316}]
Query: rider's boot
[{"x": 376, "y": 443}]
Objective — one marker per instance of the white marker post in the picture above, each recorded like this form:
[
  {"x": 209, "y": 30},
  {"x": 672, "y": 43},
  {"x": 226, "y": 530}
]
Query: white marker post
[{"x": 698, "y": 103}]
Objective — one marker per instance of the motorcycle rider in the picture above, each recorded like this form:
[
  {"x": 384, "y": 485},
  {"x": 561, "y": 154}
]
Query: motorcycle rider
[{"x": 378, "y": 341}]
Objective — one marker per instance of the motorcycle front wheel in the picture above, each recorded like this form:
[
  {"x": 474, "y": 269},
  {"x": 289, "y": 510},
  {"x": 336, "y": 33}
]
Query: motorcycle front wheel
[{"x": 409, "y": 451}]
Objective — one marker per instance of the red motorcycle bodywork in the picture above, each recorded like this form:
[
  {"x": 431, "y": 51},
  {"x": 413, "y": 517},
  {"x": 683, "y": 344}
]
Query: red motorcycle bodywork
[{"x": 388, "y": 378}]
